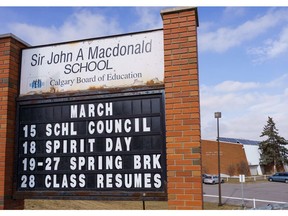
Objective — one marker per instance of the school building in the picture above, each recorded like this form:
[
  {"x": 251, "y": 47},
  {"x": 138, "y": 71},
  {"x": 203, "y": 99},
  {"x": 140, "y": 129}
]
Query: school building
[{"x": 236, "y": 156}]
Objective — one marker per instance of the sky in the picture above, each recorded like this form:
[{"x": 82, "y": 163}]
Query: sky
[{"x": 242, "y": 53}]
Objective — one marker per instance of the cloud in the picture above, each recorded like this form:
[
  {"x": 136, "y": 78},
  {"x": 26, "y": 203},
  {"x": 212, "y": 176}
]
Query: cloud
[
  {"x": 270, "y": 48},
  {"x": 232, "y": 86},
  {"x": 148, "y": 18},
  {"x": 81, "y": 24},
  {"x": 233, "y": 12},
  {"x": 225, "y": 38},
  {"x": 87, "y": 23},
  {"x": 244, "y": 113},
  {"x": 278, "y": 82}
]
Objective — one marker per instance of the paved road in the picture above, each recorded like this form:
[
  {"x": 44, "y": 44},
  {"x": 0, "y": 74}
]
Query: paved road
[{"x": 272, "y": 191}]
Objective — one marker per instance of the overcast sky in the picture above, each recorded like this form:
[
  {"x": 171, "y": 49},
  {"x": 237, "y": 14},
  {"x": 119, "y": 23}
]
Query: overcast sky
[{"x": 243, "y": 55}]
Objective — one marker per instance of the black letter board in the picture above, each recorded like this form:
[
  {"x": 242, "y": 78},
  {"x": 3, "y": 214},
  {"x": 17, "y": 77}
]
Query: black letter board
[{"x": 108, "y": 148}]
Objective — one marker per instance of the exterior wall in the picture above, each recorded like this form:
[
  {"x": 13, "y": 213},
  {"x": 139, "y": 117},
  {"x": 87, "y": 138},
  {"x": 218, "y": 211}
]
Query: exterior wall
[
  {"x": 182, "y": 109},
  {"x": 9, "y": 77},
  {"x": 253, "y": 158},
  {"x": 229, "y": 154}
]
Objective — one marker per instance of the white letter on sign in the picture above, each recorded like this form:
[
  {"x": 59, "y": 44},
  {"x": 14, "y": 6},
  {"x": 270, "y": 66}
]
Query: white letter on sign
[
  {"x": 137, "y": 163},
  {"x": 109, "y": 144}
]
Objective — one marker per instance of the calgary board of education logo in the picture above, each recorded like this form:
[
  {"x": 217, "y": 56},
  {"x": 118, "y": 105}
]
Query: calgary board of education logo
[{"x": 36, "y": 83}]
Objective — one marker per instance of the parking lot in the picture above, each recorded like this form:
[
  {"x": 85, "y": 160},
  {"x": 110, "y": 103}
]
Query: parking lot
[{"x": 269, "y": 191}]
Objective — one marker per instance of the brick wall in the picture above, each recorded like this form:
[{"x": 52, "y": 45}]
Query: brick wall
[
  {"x": 230, "y": 155},
  {"x": 182, "y": 108},
  {"x": 9, "y": 76}
]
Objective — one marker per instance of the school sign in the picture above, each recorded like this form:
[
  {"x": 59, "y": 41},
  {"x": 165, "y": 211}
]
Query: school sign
[{"x": 112, "y": 62}]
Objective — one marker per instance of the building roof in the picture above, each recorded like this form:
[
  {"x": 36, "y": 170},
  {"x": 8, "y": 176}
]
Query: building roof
[{"x": 239, "y": 141}]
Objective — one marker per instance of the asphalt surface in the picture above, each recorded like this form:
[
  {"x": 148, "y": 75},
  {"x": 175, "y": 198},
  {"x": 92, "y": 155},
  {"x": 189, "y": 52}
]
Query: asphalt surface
[{"x": 270, "y": 191}]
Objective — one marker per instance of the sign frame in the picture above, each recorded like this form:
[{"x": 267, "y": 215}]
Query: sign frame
[
  {"x": 38, "y": 77},
  {"x": 94, "y": 195}
]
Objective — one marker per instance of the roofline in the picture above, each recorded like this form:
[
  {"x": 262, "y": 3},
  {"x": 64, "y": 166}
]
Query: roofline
[
  {"x": 222, "y": 142},
  {"x": 238, "y": 141},
  {"x": 10, "y": 35}
]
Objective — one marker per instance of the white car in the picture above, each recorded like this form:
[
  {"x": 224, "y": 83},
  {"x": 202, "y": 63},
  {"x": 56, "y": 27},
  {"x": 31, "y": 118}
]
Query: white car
[{"x": 212, "y": 179}]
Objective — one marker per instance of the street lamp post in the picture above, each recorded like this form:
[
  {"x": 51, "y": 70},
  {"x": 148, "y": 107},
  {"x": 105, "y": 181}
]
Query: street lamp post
[{"x": 217, "y": 115}]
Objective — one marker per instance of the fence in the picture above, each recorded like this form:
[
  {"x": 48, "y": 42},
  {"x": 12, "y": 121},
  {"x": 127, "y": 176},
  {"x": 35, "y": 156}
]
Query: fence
[
  {"x": 249, "y": 200},
  {"x": 234, "y": 179}
]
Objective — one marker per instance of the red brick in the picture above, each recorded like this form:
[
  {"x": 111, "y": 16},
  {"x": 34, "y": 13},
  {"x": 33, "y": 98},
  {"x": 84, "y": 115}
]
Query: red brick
[
  {"x": 230, "y": 154},
  {"x": 182, "y": 109},
  {"x": 185, "y": 197},
  {"x": 176, "y": 190},
  {"x": 170, "y": 16},
  {"x": 9, "y": 75},
  {"x": 178, "y": 20}
]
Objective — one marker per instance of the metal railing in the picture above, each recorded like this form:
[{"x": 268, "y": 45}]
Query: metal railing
[{"x": 249, "y": 200}]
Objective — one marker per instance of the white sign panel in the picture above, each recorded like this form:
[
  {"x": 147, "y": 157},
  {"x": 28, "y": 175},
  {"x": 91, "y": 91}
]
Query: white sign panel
[
  {"x": 242, "y": 178},
  {"x": 113, "y": 62}
]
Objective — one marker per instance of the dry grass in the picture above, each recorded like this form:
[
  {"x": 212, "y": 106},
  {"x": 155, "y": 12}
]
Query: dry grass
[
  {"x": 214, "y": 206},
  {"x": 109, "y": 205},
  {"x": 93, "y": 205}
]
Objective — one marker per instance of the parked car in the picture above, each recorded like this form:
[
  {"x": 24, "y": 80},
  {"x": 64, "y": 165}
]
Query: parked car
[
  {"x": 212, "y": 179},
  {"x": 204, "y": 176},
  {"x": 279, "y": 177}
]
